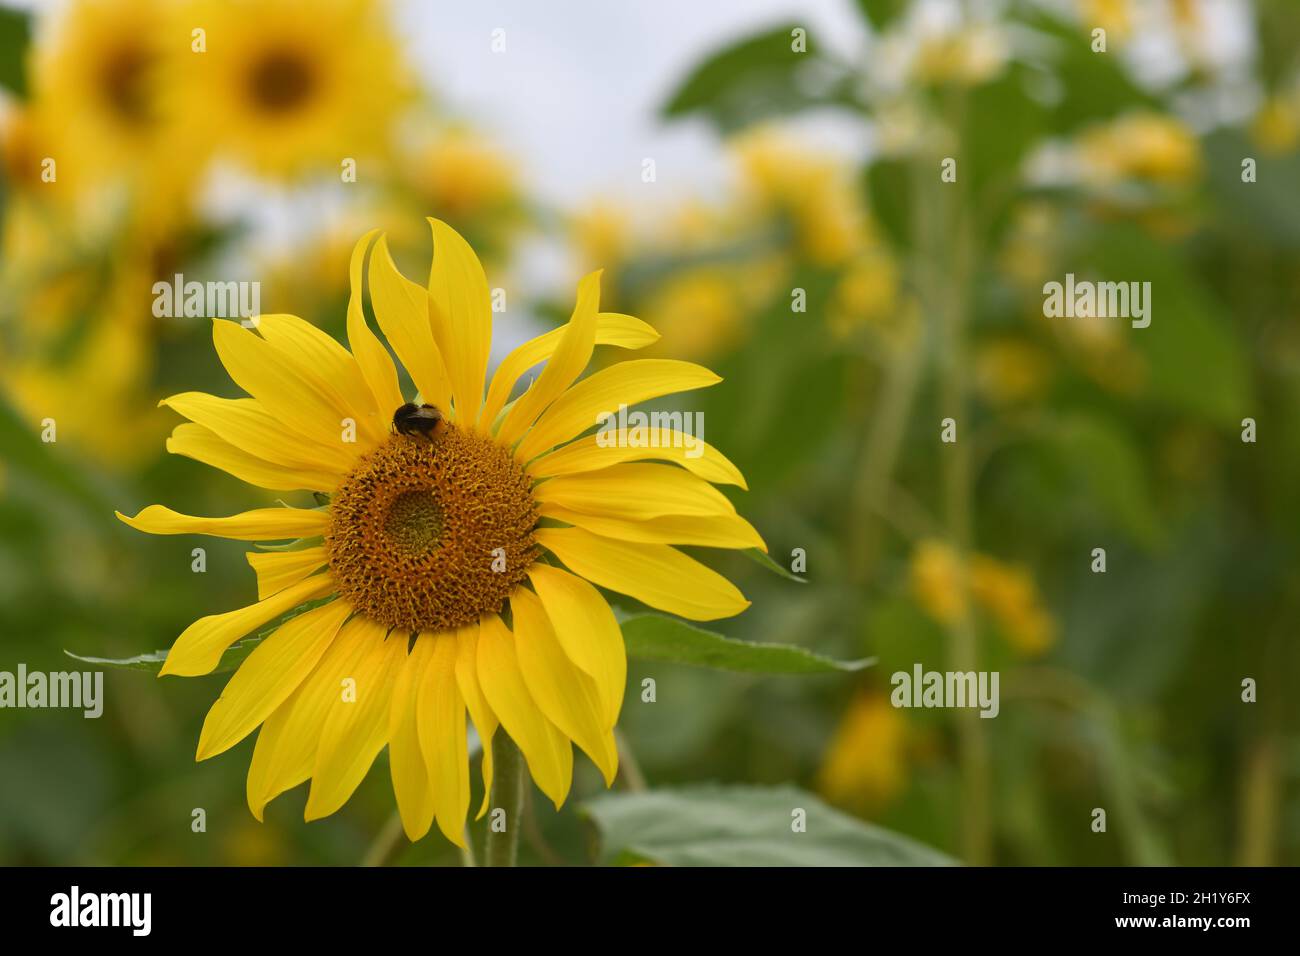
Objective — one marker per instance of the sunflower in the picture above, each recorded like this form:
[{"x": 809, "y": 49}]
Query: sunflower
[
  {"x": 291, "y": 85},
  {"x": 99, "y": 78},
  {"x": 453, "y": 570}
]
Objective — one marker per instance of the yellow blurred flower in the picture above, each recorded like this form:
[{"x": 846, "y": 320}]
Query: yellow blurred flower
[
  {"x": 817, "y": 194},
  {"x": 696, "y": 312},
  {"x": 1010, "y": 371},
  {"x": 288, "y": 86},
  {"x": 865, "y": 766},
  {"x": 866, "y": 293},
  {"x": 1146, "y": 146},
  {"x": 602, "y": 233},
  {"x": 1113, "y": 16},
  {"x": 934, "y": 581},
  {"x": 966, "y": 57},
  {"x": 463, "y": 176},
  {"x": 100, "y": 78},
  {"x": 1276, "y": 127},
  {"x": 1006, "y": 591}
]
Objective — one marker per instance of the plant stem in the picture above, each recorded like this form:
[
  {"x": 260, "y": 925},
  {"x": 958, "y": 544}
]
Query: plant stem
[
  {"x": 384, "y": 843},
  {"x": 951, "y": 294},
  {"x": 629, "y": 771},
  {"x": 507, "y": 795}
]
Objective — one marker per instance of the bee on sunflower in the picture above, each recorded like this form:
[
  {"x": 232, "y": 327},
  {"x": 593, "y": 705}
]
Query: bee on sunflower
[{"x": 455, "y": 569}]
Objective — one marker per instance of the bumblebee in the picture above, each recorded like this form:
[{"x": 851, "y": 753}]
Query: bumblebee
[{"x": 424, "y": 420}]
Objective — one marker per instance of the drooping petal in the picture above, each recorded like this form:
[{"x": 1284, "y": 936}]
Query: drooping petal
[
  {"x": 337, "y": 373},
  {"x": 411, "y": 781},
  {"x": 244, "y": 423},
  {"x": 565, "y": 693},
  {"x": 277, "y": 570},
  {"x": 461, "y": 314},
  {"x": 586, "y": 628},
  {"x": 260, "y": 524},
  {"x": 593, "y": 452},
  {"x": 711, "y": 531},
  {"x": 375, "y": 363},
  {"x": 402, "y": 310},
  {"x": 284, "y": 385},
  {"x": 440, "y": 716},
  {"x": 485, "y": 721},
  {"x": 354, "y": 732},
  {"x": 203, "y": 445},
  {"x": 654, "y": 574},
  {"x": 287, "y": 743},
  {"x": 601, "y": 393},
  {"x": 571, "y": 356},
  {"x": 635, "y": 490},
  {"x": 272, "y": 672},
  {"x": 545, "y": 749},
  {"x": 612, "y": 328},
  {"x": 199, "y": 648}
]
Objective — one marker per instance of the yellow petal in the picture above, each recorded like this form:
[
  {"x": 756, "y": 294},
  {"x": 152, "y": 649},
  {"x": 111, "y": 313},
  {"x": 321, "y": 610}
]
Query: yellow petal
[
  {"x": 440, "y": 716},
  {"x": 571, "y": 355},
  {"x": 277, "y": 570},
  {"x": 602, "y": 392},
  {"x": 355, "y": 730},
  {"x": 713, "y": 531},
  {"x": 285, "y": 386},
  {"x": 202, "y": 444},
  {"x": 410, "y": 773},
  {"x": 635, "y": 490},
  {"x": 287, "y": 743},
  {"x": 272, "y": 672},
  {"x": 337, "y": 374},
  {"x": 654, "y": 574},
  {"x": 612, "y": 328},
  {"x": 402, "y": 310},
  {"x": 587, "y": 630},
  {"x": 461, "y": 314},
  {"x": 376, "y": 365},
  {"x": 198, "y": 650},
  {"x": 261, "y": 524},
  {"x": 485, "y": 722},
  {"x": 244, "y": 423},
  {"x": 565, "y": 693},
  {"x": 545, "y": 749},
  {"x": 593, "y": 452}
]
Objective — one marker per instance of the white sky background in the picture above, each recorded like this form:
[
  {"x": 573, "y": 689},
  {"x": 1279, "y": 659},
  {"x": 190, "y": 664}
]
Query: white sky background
[{"x": 576, "y": 92}]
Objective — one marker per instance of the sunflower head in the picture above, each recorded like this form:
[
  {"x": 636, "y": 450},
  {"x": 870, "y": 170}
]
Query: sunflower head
[
  {"x": 293, "y": 85},
  {"x": 455, "y": 569}
]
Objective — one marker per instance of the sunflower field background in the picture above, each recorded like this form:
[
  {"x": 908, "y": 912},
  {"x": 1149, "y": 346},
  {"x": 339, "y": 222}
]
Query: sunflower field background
[{"x": 892, "y": 185}]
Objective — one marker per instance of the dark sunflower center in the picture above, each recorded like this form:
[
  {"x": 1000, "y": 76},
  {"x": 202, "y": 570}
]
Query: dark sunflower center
[
  {"x": 427, "y": 535},
  {"x": 125, "y": 85},
  {"x": 281, "y": 81}
]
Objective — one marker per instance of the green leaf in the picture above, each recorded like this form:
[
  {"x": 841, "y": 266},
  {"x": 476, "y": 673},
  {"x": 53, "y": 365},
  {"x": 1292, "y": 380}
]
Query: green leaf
[
  {"x": 653, "y": 637},
  {"x": 22, "y": 448},
  {"x": 1194, "y": 356},
  {"x": 1089, "y": 86},
  {"x": 880, "y": 13},
  {"x": 1107, "y": 460},
  {"x": 15, "y": 39},
  {"x": 153, "y": 661},
  {"x": 712, "y": 825},
  {"x": 757, "y": 78},
  {"x": 765, "y": 560}
]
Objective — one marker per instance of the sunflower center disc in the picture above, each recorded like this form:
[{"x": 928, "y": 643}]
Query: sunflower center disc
[
  {"x": 428, "y": 535},
  {"x": 281, "y": 81}
]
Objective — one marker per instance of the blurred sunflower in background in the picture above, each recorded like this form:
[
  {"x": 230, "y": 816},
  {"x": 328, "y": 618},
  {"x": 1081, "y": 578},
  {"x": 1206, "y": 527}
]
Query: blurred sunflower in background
[
  {"x": 432, "y": 536},
  {"x": 292, "y": 86}
]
